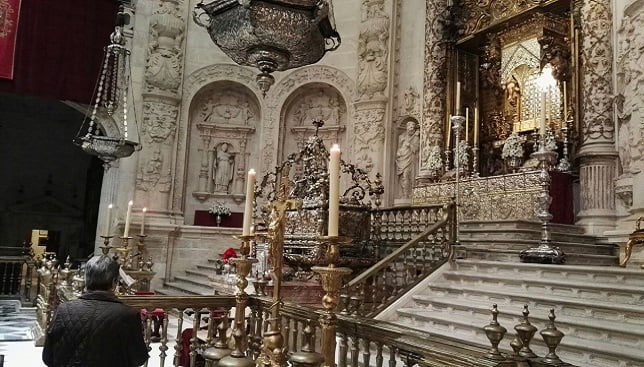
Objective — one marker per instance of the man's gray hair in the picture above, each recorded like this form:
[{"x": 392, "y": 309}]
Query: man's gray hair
[{"x": 101, "y": 272}]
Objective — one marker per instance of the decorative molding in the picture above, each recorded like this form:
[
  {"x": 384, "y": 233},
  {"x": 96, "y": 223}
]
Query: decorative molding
[
  {"x": 373, "y": 50},
  {"x": 165, "y": 48},
  {"x": 477, "y": 15},
  {"x": 369, "y": 127},
  {"x": 435, "y": 79}
]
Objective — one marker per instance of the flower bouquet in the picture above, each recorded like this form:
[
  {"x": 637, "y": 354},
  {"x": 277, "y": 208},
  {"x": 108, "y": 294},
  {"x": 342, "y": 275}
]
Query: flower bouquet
[
  {"x": 218, "y": 210},
  {"x": 513, "y": 151}
]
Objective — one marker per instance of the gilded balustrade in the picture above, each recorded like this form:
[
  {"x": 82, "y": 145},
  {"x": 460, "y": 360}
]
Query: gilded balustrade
[{"x": 428, "y": 233}]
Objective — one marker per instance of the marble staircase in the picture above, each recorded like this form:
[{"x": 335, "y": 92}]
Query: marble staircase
[
  {"x": 195, "y": 281},
  {"x": 503, "y": 241},
  {"x": 599, "y": 308}
]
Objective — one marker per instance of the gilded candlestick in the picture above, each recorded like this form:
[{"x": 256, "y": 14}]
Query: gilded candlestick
[{"x": 106, "y": 244}]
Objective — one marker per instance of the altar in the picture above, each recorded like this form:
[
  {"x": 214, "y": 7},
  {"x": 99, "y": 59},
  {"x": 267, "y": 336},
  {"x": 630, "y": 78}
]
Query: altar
[{"x": 502, "y": 198}]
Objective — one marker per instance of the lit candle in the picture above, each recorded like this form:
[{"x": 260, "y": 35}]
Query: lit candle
[
  {"x": 334, "y": 190},
  {"x": 565, "y": 102},
  {"x": 467, "y": 124},
  {"x": 126, "y": 232},
  {"x": 143, "y": 221},
  {"x": 542, "y": 127},
  {"x": 108, "y": 221},
  {"x": 250, "y": 197},
  {"x": 458, "y": 98},
  {"x": 476, "y": 126}
]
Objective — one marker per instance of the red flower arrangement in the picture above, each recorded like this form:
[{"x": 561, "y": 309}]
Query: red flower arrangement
[{"x": 229, "y": 253}]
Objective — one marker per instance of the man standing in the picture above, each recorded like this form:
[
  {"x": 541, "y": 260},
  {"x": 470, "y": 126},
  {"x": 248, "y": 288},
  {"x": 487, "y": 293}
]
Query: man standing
[{"x": 96, "y": 330}]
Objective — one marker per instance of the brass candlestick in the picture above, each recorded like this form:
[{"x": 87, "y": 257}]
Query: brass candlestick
[
  {"x": 331, "y": 278},
  {"x": 243, "y": 265},
  {"x": 106, "y": 244},
  {"x": 123, "y": 251}
]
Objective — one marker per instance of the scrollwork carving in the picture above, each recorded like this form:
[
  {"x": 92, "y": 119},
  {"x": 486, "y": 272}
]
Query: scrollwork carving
[
  {"x": 373, "y": 50},
  {"x": 164, "y": 66},
  {"x": 478, "y": 15}
]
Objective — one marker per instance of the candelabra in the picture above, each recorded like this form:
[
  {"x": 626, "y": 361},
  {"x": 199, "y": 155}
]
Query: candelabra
[
  {"x": 106, "y": 245},
  {"x": 475, "y": 161},
  {"x": 544, "y": 252},
  {"x": 123, "y": 251},
  {"x": 243, "y": 264},
  {"x": 331, "y": 278}
]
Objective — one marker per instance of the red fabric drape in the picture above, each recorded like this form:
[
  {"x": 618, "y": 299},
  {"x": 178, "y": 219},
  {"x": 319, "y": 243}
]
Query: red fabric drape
[
  {"x": 59, "y": 47},
  {"x": 9, "y": 20}
]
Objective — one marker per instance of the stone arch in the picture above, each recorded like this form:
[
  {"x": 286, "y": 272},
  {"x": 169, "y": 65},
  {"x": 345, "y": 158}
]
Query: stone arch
[
  {"x": 309, "y": 102},
  {"x": 193, "y": 86},
  {"x": 284, "y": 88}
]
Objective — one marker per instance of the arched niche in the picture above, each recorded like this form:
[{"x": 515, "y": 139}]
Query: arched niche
[
  {"x": 312, "y": 102},
  {"x": 223, "y": 141}
]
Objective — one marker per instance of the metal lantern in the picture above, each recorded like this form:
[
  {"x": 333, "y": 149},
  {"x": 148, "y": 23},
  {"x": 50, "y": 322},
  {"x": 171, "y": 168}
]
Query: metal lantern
[{"x": 270, "y": 34}]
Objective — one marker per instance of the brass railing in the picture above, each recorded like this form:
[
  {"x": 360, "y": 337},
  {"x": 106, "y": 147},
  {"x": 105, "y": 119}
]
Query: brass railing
[{"x": 429, "y": 233}]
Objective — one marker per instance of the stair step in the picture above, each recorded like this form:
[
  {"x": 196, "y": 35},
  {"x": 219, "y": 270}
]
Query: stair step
[
  {"x": 512, "y": 256},
  {"x": 570, "y": 350},
  {"x": 202, "y": 275},
  {"x": 195, "y": 281},
  {"x": 189, "y": 288},
  {"x": 600, "y": 274},
  {"x": 563, "y": 306},
  {"x": 630, "y": 335},
  {"x": 522, "y": 244},
  {"x": 589, "y": 292}
]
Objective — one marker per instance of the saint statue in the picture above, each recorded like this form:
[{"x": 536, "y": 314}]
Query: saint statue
[
  {"x": 406, "y": 158},
  {"x": 223, "y": 168}
]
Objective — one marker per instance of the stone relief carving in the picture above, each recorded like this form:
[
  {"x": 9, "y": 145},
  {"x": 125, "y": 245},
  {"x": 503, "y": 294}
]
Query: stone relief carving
[
  {"x": 319, "y": 105},
  {"x": 159, "y": 121},
  {"x": 167, "y": 27},
  {"x": 407, "y": 158},
  {"x": 158, "y": 130},
  {"x": 480, "y": 14},
  {"x": 435, "y": 80},
  {"x": 229, "y": 107},
  {"x": 369, "y": 128},
  {"x": 410, "y": 102},
  {"x": 153, "y": 174},
  {"x": 597, "y": 122},
  {"x": 373, "y": 50},
  {"x": 630, "y": 92}
]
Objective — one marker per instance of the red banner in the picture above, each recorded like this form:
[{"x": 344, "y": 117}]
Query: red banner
[{"x": 9, "y": 12}]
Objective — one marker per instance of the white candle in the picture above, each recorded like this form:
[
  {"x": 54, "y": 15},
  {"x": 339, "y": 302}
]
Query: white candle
[
  {"x": 126, "y": 232},
  {"x": 467, "y": 124},
  {"x": 458, "y": 98},
  {"x": 542, "y": 127},
  {"x": 449, "y": 133},
  {"x": 250, "y": 197},
  {"x": 476, "y": 126},
  {"x": 143, "y": 221},
  {"x": 565, "y": 102},
  {"x": 334, "y": 190},
  {"x": 108, "y": 221}
]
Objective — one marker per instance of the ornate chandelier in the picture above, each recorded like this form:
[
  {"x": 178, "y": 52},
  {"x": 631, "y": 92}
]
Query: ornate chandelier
[
  {"x": 270, "y": 34},
  {"x": 110, "y": 102}
]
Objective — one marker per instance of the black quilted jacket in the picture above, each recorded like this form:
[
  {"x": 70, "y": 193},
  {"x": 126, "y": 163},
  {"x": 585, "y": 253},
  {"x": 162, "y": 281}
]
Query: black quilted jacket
[{"x": 95, "y": 330}]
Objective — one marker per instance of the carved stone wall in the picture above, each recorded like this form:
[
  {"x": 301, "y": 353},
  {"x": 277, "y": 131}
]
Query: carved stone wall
[
  {"x": 597, "y": 154},
  {"x": 435, "y": 82},
  {"x": 161, "y": 100},
  {"x": 309, "y": 103}
]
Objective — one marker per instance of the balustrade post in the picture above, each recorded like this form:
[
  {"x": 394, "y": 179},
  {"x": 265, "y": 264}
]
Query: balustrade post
[
  {"x": 307, "y": 357},
  {"x": 331, "y": 278}
]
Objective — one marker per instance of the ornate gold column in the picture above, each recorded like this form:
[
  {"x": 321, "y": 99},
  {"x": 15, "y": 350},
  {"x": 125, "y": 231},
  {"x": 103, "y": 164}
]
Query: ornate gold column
[
  {"x": 434, "y": 84},
  {"x": 597, "y": 155}
]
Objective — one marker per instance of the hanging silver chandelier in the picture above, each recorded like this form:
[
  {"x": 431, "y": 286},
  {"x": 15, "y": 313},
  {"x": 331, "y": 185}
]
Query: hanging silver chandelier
[
  {"x": 110, "y": 102},
  {"x": 270, "y": 34}
]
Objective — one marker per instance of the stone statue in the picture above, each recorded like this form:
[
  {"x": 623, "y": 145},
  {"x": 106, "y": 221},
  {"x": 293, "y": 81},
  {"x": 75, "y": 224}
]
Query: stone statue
[
  {"x": 406, "y": 158},
  {"x": 223, "y": 168}
]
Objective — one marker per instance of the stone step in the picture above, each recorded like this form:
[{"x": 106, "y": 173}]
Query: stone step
[
  {"x": 189, "y": 288},
  {"x": 629, "y": 335},
  {"x": 581, "y": 352},
  {"x": 522, "y": 244},
  {"x": 513, "y": 257},
  {"x": 602, "y": 274},
  {"x": 583, "y": 291},
  {"x": 564, "y": 306},
  {"x": 194, "y": 281},
  {"x": 200, "y": 274}
]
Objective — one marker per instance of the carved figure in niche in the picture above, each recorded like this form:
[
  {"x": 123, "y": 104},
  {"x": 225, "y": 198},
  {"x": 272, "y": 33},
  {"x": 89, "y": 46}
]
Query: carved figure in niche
[
  {"x": 372, "y": 49},
  {"x": 319, "y": 107},
  {"x": 223, "y": 168},
  {"x": 406, "y": 158},
  {"x": 630, "y": 98},
  {"x": 512, "y": 90},
  {"x": 409, "y": 100},
  {"x": 163, "y": 69}
]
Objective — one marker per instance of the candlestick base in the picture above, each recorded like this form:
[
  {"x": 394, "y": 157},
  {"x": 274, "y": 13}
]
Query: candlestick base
[
  {"x": 333, "y": 251},
  {"x": 106, "y": 245}
]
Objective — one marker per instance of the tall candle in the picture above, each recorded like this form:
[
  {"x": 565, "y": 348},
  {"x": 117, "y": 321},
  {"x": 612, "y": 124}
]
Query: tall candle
[
  {"x": 476, "y": 126},
  {"x": 250, "y": 197},
  {"x": 126, "y": 232},
  {"x": 542, "y": 127},
  {"x": 143, "y": 221},
  {"x": 108, "y": 221},
  {"x": 565, "y": 102},
  {"x": 467, "y": 124},
  {"x": 458, "y": 98},
  {"x": 334, "y": 190},
  {"x": 449, "y": 133}
]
